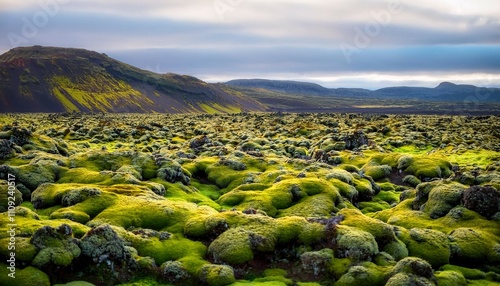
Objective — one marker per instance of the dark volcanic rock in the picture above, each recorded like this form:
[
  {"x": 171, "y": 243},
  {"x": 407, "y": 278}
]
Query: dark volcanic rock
[
  {"x": 483, "y": 200},
  {"x": 356, "y": 140},
  {"x": 6, "y": 150}
]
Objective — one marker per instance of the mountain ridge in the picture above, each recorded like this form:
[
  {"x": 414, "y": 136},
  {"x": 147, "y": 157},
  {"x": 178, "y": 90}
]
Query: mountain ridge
[
  {"x": 445, "y": 91},
  {"x": 53, "y": 79}
]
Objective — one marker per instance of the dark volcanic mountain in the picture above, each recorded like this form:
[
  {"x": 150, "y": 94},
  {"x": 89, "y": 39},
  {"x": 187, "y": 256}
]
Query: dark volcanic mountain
[
  {"x": 444, "y": 92},
  {"x": 48, "y": 79}
]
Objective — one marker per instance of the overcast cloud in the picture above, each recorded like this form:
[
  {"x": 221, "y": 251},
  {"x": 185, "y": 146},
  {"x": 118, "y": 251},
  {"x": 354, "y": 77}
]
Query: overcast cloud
[{"x": 344, "y": 43}]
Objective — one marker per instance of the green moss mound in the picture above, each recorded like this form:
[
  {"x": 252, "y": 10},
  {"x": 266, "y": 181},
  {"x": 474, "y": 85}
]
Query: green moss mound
[{"x": 29, "y": 276}]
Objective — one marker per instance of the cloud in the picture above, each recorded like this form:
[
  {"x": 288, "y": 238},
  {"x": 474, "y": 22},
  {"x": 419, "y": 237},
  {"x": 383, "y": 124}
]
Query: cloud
[{"x": 280, "y": 38}]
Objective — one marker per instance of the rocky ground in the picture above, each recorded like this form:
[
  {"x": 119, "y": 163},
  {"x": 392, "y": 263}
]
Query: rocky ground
[{"x": 267, "y": 199}]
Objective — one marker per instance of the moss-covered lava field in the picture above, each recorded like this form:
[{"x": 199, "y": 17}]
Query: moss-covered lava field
[{"x": 249, "y": 199}]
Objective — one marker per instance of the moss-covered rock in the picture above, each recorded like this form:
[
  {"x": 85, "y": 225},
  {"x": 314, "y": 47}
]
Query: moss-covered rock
[
  {"x": 377, "y": 172},
  {"x": 316, "y": 261},
  {"x": 103, "y": 244},
  {"x": 56, "y": 246},
  {"x": 382, "y": 231},
  {"x": 411, "y": 180},
  {"x": 6, "y": 149},
  {"x": 355, "y": 244},
  {"x": 233, "y": 247},
  {"x": 472, "y": 274},
  {"x": 470, "y": 246},
  {"x": 483, "y": 200},
  {"x": 35, "y": 174},
  {"x": 396, "y": 249},
  {"x": 408, "y": 280},
  {"x": 450, "y": 278},
  {"x": 29, "y": 276},
  {"x": 438, "y": 198},
  {"x": 363, "y": 275},
  {"x": 430, "y": 245},
  {"x": 216, "y": 275},
  {"x": 425, "y": 167},
  {"x": 10, "y": 196},
  {"x": 173, "y": 272},
  {"x": 414, "y": 266},
  {"x": 172, "y": 172}
]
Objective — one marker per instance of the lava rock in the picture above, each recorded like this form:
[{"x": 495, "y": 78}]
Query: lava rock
[{"x": 483, "y": 200}]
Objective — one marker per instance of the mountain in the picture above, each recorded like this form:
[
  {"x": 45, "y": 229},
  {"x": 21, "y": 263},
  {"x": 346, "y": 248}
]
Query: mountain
[
  {"x": 444, "y": 92},
  {"x": 284, "y": 86},
  {"x": 50, "y": 79}
]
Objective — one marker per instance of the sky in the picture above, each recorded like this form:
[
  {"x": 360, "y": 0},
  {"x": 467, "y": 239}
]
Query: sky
[{"x": 343, "y": 43}]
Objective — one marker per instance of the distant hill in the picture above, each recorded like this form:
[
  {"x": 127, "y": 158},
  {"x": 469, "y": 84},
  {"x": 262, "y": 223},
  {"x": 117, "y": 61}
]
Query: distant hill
[
  {"x": 285, "y": 86},
  {"x": 444, "y": 92},
  {"x": 50, "y": 79}
]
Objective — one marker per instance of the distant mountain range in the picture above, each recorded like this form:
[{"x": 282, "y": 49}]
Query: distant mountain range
[
  {"x": 445, "y": 92},
  {"x": 49, "y": 79}
]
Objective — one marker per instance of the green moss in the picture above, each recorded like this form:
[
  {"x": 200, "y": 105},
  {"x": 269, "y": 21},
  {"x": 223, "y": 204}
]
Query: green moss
[
  {"x": 430, "y": 245},
  {"x": 216, "y": 275},
  {"x": 76, "y": 216},
  {"x": 414, "y": 266},
  {"x": 370, "y": 207},
  {"x": 356, "y": 244},
  {"x": 308, "y": 197},
  {"x": 426, "y": 167},
  {"x": 479, "y": 157},
  {"x": 397, "y": 249},
  {"x": 403, "y": 215},
  {"x": 384, "y": 259},
  {"x": 316, "y": 261},
  {"x": 25, "y": 251},
  {"x": 341, "y": 175},
  {"x": 174, "y": 248},
  {"x": 57, "y": 247},
  {"x": 377, "y": 172},
  {"x": 408, "y": 279},
  {"x": 233, "y": 247},
  {"x": 57, "y": 256},
  {"x": 68, "y": 104},
  {"x": 97, "y": 92},
  {"x": 450, "y": 278},
  {"x": 412, "y": 149},
  {"x": 390, "y": 197},
  {"x": 272, "y": 281},
  {"x": 33, "y": 175},
  {"x": 289, "y": 228},
  {"x": 411, "y": 180},
  {"x": 470, "y": 246},
  {"x": 5, "y": 194},
  {"x": 382, "y": 232},
  {"x": 442, "y": 198},
  {"x": 29, "y": 276},
  {"x": 473, "y": 274},
  {"x": 368, "y": 274},
  {"x": 315, "y": 206},
  {"x": 339, "y": 266},
  {"x": 76, "y": 283},
  {"x": 30, "y": 225}
]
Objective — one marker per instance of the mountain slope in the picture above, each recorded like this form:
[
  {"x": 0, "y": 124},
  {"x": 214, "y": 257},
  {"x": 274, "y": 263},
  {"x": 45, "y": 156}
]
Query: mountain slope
[
  {"x": 284, "y": 86},
  {"x": 48, "y": 79}
]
